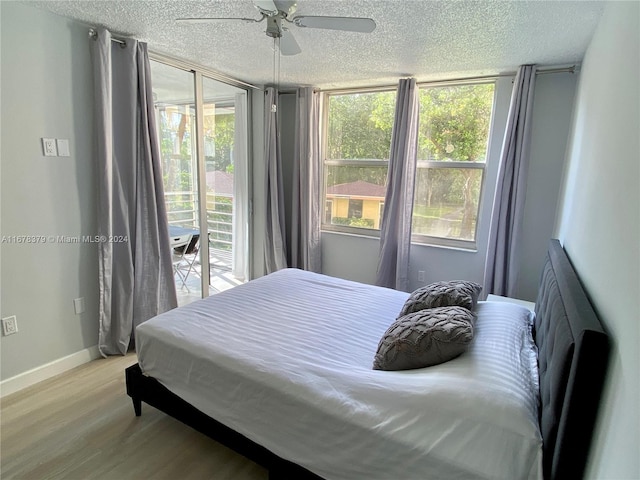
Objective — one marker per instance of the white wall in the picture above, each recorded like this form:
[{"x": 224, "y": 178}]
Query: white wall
[
  {"x": 355, "y": 257},
  {"x": 46, "y": 92},
  {"x": 599, "y": 223}
]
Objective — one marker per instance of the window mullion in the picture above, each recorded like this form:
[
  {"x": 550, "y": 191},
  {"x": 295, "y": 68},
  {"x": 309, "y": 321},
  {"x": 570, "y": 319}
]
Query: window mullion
[
  {"x": 443, "y": 164},
  {"x": 356, "y": 163}
]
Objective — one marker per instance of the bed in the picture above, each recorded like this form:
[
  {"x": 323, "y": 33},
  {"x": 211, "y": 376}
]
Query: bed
[{"x": 279, "y": 369}]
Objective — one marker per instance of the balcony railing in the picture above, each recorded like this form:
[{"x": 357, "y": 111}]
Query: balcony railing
[{"x": 182, "y": 211}]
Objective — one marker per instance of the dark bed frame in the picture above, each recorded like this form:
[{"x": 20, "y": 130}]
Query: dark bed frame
[{"x": 573, "y": 353}]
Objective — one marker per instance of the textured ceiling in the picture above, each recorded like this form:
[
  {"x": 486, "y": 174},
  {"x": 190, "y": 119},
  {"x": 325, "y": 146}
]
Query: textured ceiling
[{"x": 422, "y": 38}]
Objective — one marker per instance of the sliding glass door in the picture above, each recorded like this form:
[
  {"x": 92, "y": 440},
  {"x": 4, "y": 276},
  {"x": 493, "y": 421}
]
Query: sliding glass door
[{"x": 202, "y": 129}]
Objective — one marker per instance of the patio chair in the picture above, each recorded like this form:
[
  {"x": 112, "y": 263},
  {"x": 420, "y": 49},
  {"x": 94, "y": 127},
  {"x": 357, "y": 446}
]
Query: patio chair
[
  {"x": 179, "y": 245},
  {"x": 191, "y": 257}
]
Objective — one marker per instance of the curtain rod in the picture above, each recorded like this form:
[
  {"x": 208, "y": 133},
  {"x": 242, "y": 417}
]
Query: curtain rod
[
  {"x": 571, "y": 69},
  {"x": 93, "y": 35},
  {"x": 184, "y": 65},
  {"x": 542, "y": 71}
]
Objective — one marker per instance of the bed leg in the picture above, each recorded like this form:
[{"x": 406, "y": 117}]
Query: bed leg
[
  {"x": 133, "y": 379},
  {"x": 137, "y": 406}
]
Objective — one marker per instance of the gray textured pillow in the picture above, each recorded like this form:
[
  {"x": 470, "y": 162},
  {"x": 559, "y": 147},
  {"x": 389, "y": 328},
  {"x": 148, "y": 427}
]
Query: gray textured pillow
[
  {"x": 425, "y": 338},
  {"x": 459, "y": 293}
]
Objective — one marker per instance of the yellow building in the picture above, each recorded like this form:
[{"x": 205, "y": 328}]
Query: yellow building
[{"x": 356, "y": 203}]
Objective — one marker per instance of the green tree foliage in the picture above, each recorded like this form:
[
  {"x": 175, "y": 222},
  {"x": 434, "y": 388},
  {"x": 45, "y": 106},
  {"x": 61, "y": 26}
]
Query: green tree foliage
[
  {"x": 220, "y": 130},
  {"x": 353, "y": 222},
  {"x": 360, "y": 129},
  {"x": 454, "y": 126},
  {"x": 360, "y": 125},
  {"x": 176, "y": 150},
  {"x": 219, "y": 221},
  {"x": 454, "y": 122}
]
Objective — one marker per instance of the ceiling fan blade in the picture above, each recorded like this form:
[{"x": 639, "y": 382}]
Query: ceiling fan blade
[
  {"x": 288, "y": 44},
  {"x": 266, "y": 6},
  {"x": 286, "y": 6},
  {"x": 213, "y": 19},
  {"x": 348, "y": 24}
]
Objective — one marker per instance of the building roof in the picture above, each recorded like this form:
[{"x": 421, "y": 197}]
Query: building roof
[{"x": 358, "y": 188}]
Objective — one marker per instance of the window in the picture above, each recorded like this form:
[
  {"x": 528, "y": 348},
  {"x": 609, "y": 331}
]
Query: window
[
  {"x": 356, "y": 150},
  {"x": 452, "y": 149},
  {"x": 453, "y": 139}
]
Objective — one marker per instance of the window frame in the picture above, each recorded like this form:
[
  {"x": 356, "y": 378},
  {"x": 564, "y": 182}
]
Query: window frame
[{"x": 418, "y": 239}]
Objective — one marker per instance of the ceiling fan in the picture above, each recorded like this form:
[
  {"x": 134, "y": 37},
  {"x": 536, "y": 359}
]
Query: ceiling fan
[{"x": 279, "y": 15}]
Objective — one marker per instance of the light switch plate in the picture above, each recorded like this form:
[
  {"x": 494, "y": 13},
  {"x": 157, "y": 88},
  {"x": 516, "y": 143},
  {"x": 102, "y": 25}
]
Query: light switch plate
[
  {"x": 78, "y": 305},
  {"x": 63, "y": 147},
  {"x": 49, "y": 147}
]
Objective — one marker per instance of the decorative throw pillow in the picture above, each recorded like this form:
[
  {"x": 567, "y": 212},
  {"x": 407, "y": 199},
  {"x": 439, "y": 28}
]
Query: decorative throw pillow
[
  {"x": 459, "y": 293},
  {"x": 425, "y": 338}
]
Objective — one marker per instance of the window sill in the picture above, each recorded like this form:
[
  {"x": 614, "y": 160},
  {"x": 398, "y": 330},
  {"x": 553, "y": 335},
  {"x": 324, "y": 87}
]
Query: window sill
[
  {"x": 375, "y": 235},
  {"x": 445, "y": 247}
]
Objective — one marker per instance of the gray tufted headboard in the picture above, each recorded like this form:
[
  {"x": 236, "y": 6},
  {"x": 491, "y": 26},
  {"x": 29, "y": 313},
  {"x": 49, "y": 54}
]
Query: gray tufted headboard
[{"x": 573, "y": 352}]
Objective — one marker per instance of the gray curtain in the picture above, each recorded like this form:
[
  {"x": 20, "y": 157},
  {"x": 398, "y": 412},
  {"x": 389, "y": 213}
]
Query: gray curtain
[
  {"x": 135, "y": 271},
  {"x": 305, "y": 217},
  {"x": 240, "y": 220},
  {"x": 503, "y": 250},
  {"x": 275, "y": 248},
  {"x": 395, "y": 231}
]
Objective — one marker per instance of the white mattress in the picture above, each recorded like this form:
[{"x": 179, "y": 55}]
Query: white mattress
[{"x": 286, "y": 360}]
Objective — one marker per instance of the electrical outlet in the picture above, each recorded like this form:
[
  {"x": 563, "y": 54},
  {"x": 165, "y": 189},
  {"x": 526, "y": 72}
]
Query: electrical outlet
[
  {"x": 421, "y": 275},
  {"x": 49, "y": 147},
  {"x": 9, "y": 325}
]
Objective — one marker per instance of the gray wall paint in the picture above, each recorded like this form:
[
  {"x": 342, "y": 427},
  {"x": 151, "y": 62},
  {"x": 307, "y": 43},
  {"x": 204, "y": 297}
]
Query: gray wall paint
[
  {"x": 551, "y": 122},
  {"x": 46, "y": 92},
  {"x": 599, "y": 224},
  {"x": 287, "y": 123}
]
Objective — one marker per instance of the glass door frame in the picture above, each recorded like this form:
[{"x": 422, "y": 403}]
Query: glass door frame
[
  {"x": 198, "y": 73},
  {"x": 202, "y": 186}
]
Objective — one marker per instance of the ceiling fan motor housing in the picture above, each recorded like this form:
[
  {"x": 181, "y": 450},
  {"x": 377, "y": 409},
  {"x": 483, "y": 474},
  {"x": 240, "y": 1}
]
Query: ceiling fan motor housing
[{"x": 273, "y": 27}]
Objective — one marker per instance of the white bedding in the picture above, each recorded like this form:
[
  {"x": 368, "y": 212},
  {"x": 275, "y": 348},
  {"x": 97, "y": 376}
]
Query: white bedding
[{"x": 286, "y": 360}]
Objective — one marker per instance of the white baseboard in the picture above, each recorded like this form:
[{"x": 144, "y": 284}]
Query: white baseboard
[{"x": 51, "y": 369}]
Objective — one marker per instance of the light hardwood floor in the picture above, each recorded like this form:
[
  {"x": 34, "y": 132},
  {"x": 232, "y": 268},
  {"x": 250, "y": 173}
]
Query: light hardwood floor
[{"x": 81, "y": 425}]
